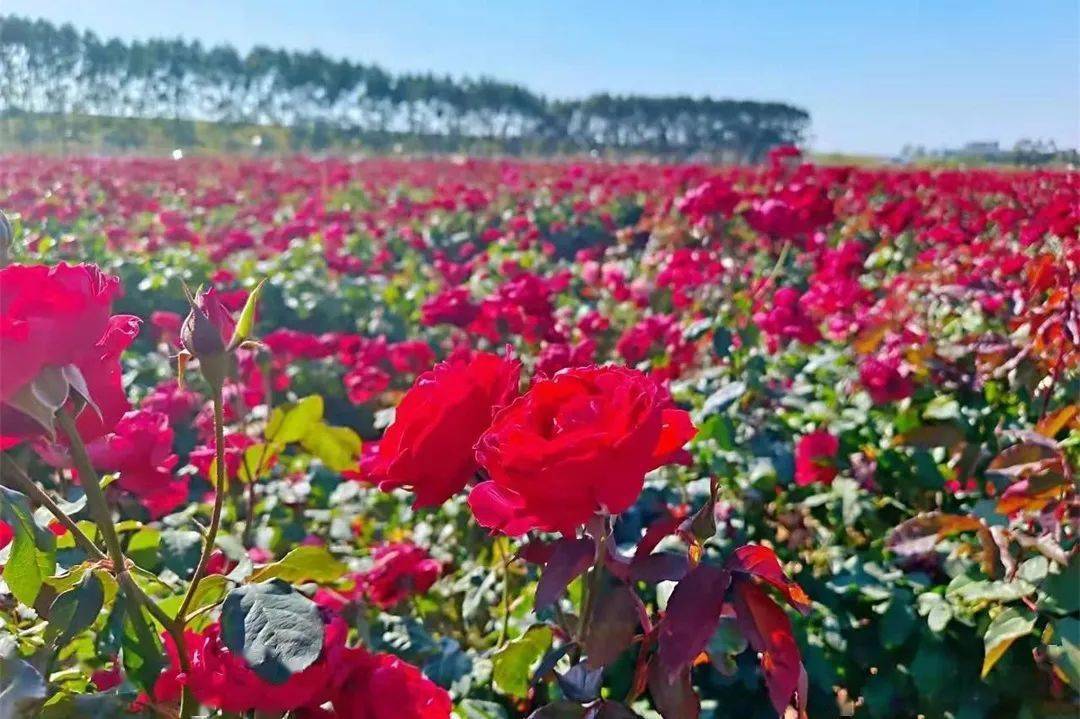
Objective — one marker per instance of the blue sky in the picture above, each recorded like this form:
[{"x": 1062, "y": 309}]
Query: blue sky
[{"x": 873, "y": 74}]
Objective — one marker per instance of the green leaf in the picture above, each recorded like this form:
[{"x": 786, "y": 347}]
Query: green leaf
[
  {"x": 180, "y": 551},
  {"x": 337, "y": 447},
  {"x": 141, "y": 651},
  {"x": 22, "y": 688},
  {"x": 142, "y": 548},
  {"x": 725, "y": 644},
  {"x": 1005, "y": 629},
  {"x": 103, "y": 705},
  {"x": 1062, "y": 590},
  {"x": 1064, "y": 653},
  {"x": 75, "y": 610},
  {"x": 513, "y": 664},
  {"x": 449, "y": 664},
  {"x": 33, "y": 552},
  {"x": 898, "y": 621},
  {"x": 942, "y": 408},
  {"x": 245, "y": 323},
  {"x": 212, "y": 589},
  {"x": 478, "y": 709},
  {"x": 291, "y": 422},
  {"x": 255, "y": 463},
  {"x": 278, "y": 631},
  {"x": 303, "y": 564}
]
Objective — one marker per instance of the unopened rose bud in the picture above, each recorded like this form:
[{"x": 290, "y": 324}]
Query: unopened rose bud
[{"x": 205, "y": 335}]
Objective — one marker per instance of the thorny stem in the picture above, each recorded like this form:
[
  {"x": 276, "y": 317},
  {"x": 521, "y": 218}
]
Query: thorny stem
[
  {"x": 219, "y": 501},
  {"x": 28, "y": 486}
]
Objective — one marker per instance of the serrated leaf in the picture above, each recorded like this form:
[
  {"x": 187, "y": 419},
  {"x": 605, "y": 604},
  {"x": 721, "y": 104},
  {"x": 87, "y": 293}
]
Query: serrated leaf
[
  {"x": 278, "y": 631},
  {"x": 1005, "y": 629},
  {"x": 303, "y": 564},
  {"x": 513, "y": 664}
]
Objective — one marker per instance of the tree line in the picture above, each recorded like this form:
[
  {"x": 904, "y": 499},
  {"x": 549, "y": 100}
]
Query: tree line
[{"x": 46, "y": 69}]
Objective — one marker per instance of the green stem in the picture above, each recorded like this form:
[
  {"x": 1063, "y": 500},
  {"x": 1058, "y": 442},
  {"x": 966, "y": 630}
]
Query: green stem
[
  {"x": 99, "y": 510},
  {"x": 95, "y": 497},
  {"x": 29, "y": 487},
  {"x": 215, "y": 517}
]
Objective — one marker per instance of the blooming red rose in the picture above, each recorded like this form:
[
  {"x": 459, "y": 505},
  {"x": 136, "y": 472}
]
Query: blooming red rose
[
  {"x": 452, "y": 306},
  {"x": 815, "y": 458},
  {"x": 6, "y": 535},
  {"x": 49, "y": 316},
  {"x": 400, "y": 570},
  {"x": 382, "y": 686},
  {"x": 101, "y": 369},
  {"x": 59, "y": 317},
  {"x": 574, "y": 445},
  {"x": 883, "y": 379},
  {"x": 429, "y": 447},
  {"x": 139, "y": 448}
]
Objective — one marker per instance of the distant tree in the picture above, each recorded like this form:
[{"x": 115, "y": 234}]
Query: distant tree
[{"x": 52, "y": 69}]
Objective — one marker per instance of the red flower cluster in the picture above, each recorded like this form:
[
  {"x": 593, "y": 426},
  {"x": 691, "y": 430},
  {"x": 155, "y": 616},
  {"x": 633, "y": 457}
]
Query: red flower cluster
[
  {"x": 356, "y": 683},
  {"x": 400, "y": 570},
  {"x": 575, "y": 444}
]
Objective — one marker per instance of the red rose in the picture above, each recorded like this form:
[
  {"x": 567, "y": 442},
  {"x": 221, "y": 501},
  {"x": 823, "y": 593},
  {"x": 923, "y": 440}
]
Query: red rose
[
  {"x": 59, "y": 317},
  {"x": 49, "y": 316},
  {"x": 382, "y": 686},
  {"x": 222, "y": 680},
  {"x": 815, "y": 458},
  {"x": 429, "y": 447},
  {"x": 574, "y": 445},
  {"x": 168, "y": 326},
  {"x": 884, "y": 381},
  {"x": 452, "y": 306},
  {"x": 6, "y": 534},
  {"x": 139, "y": 448},
  {"x": 400, "y": 570},
  {"x": 101, "y": 369}
]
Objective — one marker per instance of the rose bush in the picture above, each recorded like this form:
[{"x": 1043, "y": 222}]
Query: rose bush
[{"x": 775, "y": 439}]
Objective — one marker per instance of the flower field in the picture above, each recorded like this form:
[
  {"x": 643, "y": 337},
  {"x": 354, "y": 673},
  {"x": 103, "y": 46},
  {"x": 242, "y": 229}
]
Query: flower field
[{"x": 407, "y": 439}]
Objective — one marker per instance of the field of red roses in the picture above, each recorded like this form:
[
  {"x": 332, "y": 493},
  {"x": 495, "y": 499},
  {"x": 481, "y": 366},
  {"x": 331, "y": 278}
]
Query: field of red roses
[{"x": 412, "y": 439}]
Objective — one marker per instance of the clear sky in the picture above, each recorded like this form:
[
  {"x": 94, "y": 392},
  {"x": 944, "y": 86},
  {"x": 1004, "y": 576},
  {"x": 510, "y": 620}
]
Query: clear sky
[{"x": 874, "y": 74}]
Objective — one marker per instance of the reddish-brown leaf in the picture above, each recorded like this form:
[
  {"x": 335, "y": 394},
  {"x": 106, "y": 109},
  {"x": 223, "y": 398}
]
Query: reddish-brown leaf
[
  {"x": 768, "y": 630},
  {"x": 761, "y": 562},
  {"x": 570, "y": 557},
  {"x": 693, "y": 613}
]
